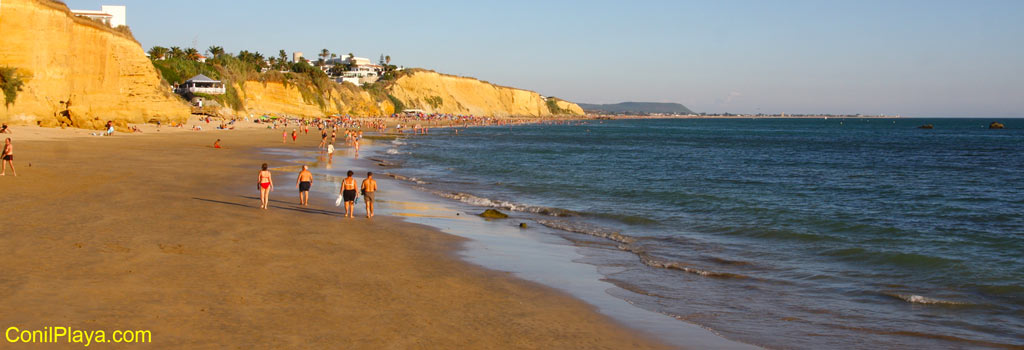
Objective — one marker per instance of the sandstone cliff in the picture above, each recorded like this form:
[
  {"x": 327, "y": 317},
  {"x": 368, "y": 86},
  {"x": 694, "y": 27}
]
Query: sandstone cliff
[
  {"x": 278, "y": 98},
  {"x": 104, "y": 73},
  {"x": 441, "y": 93}
]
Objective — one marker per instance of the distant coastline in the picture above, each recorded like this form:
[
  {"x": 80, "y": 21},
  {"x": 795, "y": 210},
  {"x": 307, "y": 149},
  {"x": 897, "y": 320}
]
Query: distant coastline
[{"x": 741, "y": 116}]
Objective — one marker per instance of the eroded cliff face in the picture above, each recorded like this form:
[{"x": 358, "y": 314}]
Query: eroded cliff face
[
  {"x": 280, "y": 99},
  {"x": 105, "y": 74},
  {"x": 440, "y": 93}
]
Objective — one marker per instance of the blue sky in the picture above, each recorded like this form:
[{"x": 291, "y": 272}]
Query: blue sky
[{"x": 913, "y": 58}]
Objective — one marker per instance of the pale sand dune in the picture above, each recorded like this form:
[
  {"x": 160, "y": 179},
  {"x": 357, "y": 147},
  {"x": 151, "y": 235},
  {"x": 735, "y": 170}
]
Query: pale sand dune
[{"x": 162, "y": 232}]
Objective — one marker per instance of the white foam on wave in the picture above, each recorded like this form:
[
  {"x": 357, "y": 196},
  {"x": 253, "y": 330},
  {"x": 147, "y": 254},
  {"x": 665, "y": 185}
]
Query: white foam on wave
[
  {"x": 500, "y": 204},
  {"x": 393, "y": 151},
  {"x": 588, "y": 230},
  {"x": 406, "y": 178},
  {"x": 920, "y": 299}
]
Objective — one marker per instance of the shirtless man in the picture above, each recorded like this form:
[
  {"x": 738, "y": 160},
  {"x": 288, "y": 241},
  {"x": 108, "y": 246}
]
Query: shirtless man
[
  {"x": 303, "y": 183},
  {"x": 369, "y": 189},
  {"x": 348, "y": 193},
  {"x": 8, "y": 158}
]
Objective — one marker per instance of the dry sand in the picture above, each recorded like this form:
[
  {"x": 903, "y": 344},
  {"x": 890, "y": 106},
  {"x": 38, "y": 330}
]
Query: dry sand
[{"x": 161, "y": 232}]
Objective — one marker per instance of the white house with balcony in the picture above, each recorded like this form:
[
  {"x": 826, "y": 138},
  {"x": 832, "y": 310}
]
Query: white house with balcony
[
  {"x": 111, "y": 15},
  {"x": 201, "y": 84}
]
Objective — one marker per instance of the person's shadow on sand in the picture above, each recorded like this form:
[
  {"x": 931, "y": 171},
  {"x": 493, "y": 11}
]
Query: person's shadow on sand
[{"x": 281, "y": 205}]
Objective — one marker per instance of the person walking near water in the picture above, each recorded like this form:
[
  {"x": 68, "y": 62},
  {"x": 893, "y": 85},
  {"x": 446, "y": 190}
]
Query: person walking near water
[
  {"x": 369, "y": 188},
  {"x": 295, "y": 135},
  {"x": 8, "y": 158},
  {"x": 348, "y": 194},
  {"x": 265, "y": 184},
  {"x": 303, "y": 183}
]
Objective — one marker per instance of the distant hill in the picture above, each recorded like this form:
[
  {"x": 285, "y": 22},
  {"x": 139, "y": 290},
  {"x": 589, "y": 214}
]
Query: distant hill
[{"x": 636, "y": 108}]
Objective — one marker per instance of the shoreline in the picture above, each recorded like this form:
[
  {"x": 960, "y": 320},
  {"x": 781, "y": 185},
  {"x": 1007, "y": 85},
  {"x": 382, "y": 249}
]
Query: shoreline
[
  {"x": 141, "y": 242},
  {"x": 535, "y": 254}
]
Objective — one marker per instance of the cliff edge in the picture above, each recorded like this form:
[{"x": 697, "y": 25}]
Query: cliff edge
[
  {"x": 441, "y": 93},
  {"x": 103, "y": 73}
]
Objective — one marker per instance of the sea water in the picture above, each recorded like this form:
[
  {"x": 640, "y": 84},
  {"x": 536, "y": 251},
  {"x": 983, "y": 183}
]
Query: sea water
[{"x": 789, "y": 234}]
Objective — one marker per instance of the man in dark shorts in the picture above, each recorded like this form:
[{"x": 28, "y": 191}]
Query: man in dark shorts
[
  {"x": 369, "y": 189},
  {"x": 348, "y": 194},
  {"x": 304, "y": 182}
]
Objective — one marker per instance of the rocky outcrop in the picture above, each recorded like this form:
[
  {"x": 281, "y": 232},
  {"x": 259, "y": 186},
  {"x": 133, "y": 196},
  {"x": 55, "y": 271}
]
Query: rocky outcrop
[
  {"x": 440, "y": 93},
  {"x": 102, "y": 72},
  {"x": 493, "y": 214}
]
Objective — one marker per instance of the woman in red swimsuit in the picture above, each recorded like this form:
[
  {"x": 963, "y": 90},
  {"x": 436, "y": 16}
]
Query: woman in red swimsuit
[{"x": 265, "y": 184}]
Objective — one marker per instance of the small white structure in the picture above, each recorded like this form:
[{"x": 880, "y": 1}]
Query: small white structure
[
  {"x": 201, "y": 84},
  {"x": 110, "y": 15},
  {"x": 118, "y": 15},
  {"x": 348, "y": 80}
]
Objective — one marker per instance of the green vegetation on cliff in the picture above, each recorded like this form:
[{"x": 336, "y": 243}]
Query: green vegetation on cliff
[
  {"x": 554, "y": 108},
  {"x": 11, "y": 83}
]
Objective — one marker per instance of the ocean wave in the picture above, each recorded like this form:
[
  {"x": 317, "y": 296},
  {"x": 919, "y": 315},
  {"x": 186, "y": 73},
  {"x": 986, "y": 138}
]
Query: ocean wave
[
  {"x": 397, "y": 142},
  {"x": 500, "y": 204},
  {"x": 406, "y": 178},
  {"x": 919, "y": 299},
  {"x": 672, "y": 265},
  {"x": 587, "y": 229},
  {"x": 393, "y": 151}
]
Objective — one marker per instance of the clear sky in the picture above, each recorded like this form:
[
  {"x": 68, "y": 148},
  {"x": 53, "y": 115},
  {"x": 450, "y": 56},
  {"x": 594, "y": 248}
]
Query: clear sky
[{"x": 913, "y": 58}]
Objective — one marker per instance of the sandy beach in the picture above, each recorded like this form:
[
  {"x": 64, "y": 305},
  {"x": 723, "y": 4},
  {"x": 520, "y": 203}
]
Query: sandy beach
[{"x": 161, "y": 232}]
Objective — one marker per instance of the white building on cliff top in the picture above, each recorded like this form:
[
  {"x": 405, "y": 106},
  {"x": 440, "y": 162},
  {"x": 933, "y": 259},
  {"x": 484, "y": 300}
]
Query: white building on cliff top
[{"x": 110, "y": 15}]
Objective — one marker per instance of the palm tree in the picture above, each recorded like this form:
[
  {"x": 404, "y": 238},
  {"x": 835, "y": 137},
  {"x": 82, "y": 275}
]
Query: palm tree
[
  {"x": 215, "y": 50},
  {"x": 192, "y": 54},
  {"x": 387, "y": 59},
  {"x": 157, "y": 52},
  {"x": 325, "y": 53},
  {"x": 260, "y": 61},
  {"x": 176, "y": 52},
  {"x": 282, "y": 56}
]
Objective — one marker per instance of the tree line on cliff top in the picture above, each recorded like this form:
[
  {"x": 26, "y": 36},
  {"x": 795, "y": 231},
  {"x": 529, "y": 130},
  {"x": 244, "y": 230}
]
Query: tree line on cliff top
[{"x": 176, "y": 65}]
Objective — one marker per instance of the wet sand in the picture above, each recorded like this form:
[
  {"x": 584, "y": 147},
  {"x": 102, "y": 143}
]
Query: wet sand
[{"x": 162, "y": 232}]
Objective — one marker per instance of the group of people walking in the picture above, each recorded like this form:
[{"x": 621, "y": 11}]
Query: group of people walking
[{"x": 304, "y": 182}]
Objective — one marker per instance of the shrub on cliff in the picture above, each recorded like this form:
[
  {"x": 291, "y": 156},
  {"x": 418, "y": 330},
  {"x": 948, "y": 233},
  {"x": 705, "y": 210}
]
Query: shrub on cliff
[
  {"x": 554, "y": 109},
  {"x": 10, "y": 82}
]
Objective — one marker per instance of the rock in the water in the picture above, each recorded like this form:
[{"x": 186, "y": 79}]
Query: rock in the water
[
  {"x": 996, "y": 125},
  {"x": 522, "y": 225},
  {"x": 926, "y": 126},
  {"x": 493, "y": 214}
]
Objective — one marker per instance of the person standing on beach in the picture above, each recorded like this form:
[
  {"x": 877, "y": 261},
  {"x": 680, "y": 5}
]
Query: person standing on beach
[
  {"x": 295, "y": 135},
  {"x": 265, "y": 184},
  {"x": 348, "y": 194},
  {"x": 8, "y": 158},
  {"x": 303, "y": 183},
  {"x": 284, "y": 136},
  {"x": 369, "y": 188}
]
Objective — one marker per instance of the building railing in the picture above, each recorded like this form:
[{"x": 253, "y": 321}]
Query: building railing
[{"x": 204, "y": 90}]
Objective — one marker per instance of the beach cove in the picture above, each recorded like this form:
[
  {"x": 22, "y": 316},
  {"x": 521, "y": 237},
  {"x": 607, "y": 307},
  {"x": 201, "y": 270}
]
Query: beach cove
[{"x": 162, "y": 232}]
